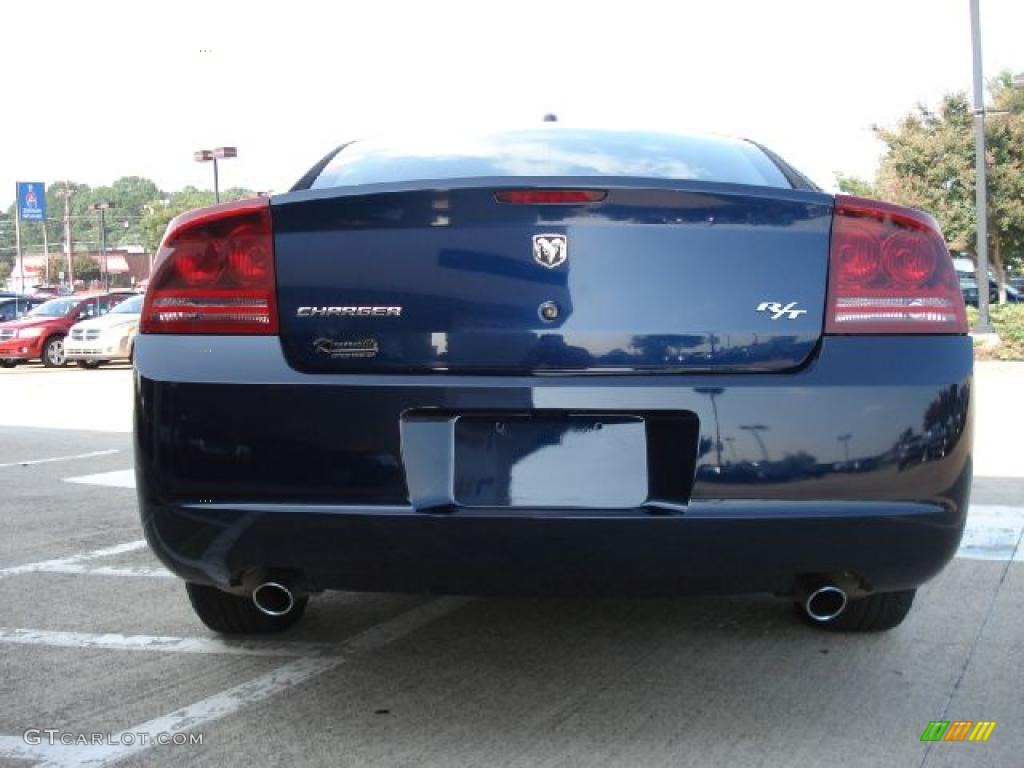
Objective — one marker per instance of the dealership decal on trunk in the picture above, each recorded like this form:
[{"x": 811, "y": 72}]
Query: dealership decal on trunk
[
  {"x": 550, "y": 250},
  {"x": 346, "y": 348},
  {"x": 789, "y": 311}
]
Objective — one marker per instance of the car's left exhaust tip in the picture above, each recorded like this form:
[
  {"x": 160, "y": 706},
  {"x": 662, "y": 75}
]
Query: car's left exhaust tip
[
  {"x": 273, "y": 598},
  {"x": 825, "y": 603},
  {"x": 821, "y": 599}
]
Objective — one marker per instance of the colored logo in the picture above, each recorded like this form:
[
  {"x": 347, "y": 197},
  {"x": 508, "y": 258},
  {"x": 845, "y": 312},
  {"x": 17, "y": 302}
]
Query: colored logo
[
  {"x": 31, "y": 200},
  {"x": 958, "y": 730}
]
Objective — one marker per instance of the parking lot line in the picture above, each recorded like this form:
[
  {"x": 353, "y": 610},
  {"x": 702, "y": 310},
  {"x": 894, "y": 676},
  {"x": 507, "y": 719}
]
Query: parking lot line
[
  {"x": 15, "y": 748},
  {"x": 993, "y": 533},
  {"x": 165, "y": 644},
  {"x": 122, "y": 478},
  {"x": 106, "y": 570},
  {"x": 89, "y": 455},
  {"x": 194, "y": 716},
  {"x": 44, "y": 565}
]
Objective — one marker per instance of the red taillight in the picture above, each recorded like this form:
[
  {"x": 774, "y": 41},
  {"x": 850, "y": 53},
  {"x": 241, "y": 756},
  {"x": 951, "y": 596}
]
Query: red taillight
[
  {"x": 215, "y": 273},
  {"x": 890, "y": 272},
  {"x": 550, "y": 196}
]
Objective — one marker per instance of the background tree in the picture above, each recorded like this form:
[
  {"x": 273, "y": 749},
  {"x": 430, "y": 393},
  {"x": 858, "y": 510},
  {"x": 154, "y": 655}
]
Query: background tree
[
  {"x": 1006, "y": 175},
  {"x": 929, "y": 164},
  {"x": 158, "y": 213},
  {"x": 854, "y": 185},
  {"x": 139, "y": 215}
]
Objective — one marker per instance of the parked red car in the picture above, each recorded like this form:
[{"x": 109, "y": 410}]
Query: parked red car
[{"x": 41, "y": 332}]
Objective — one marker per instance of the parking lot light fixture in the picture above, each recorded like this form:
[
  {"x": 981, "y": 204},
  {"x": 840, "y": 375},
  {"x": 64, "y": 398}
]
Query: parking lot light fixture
[
  {"x": 102, "y": 207},
  {"x": 213, "y": 155}
]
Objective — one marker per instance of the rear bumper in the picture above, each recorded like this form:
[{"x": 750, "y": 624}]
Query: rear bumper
[
  {"x": 712, "y": 548},
  {"x": 859, "y": 463}
]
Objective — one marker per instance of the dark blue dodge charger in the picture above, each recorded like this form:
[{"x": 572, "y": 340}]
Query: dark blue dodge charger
[{"x": 554, "y": 361}]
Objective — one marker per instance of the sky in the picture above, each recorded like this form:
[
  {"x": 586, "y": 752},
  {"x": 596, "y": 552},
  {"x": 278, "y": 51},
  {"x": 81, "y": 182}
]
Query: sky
[{"x": 94, "y": 91}]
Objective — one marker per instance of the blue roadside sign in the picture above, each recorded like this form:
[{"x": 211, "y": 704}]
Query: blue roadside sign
[{"x": 31, "y": 200}]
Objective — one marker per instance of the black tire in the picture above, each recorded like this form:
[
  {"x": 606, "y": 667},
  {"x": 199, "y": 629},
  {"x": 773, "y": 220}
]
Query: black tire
[
  {"x": 874, "y": 613},
  {"x": 90, "y": 364},
  {"x": 53, "y": 353},
  {"x": 236, "y": 615},
  {"x": 7, "y": 363}
]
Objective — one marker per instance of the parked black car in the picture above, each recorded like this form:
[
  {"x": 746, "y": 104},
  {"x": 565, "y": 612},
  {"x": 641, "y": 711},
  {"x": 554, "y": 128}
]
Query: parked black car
[
  {"x": 969, "y": 289},
  {"x": 419, "y": 372}
]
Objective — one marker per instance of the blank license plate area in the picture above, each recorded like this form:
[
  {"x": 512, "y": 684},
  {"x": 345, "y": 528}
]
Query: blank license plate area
[{"x": 572, "y": 460}]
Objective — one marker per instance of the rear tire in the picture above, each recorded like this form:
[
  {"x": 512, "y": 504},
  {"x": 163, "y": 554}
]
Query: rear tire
[
  {"x": 7, "y": 363},
  {"x": 90, "y": 364},
  {"x": 53, "y": 353},
  {"x": 237, "y": 615},
  {"x": 874, "y": 613}
]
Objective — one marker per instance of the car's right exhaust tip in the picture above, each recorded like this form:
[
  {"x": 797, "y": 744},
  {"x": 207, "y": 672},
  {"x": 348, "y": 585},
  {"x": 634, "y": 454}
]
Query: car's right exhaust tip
[
  {"x": 273, "y": 598},
  {"x": 824, "y": 601}
]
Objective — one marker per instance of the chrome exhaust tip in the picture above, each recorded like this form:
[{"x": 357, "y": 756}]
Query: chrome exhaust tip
[
  {"x": 825, "y": 603},
  {"x": 273, "y": 598}
]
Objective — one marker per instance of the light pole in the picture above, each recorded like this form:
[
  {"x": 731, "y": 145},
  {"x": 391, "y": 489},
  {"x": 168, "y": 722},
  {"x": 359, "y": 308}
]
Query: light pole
[
  {"x": 219, "y": 153},
  {"x": 68, "y": 247},
  {"x": 984, "y": 325},
  {"x": 712, "y": 392},
  {"x": 102, "y": 208},
  {"x": 845, "y": 440},
  {"x": 755, "y": 430}
]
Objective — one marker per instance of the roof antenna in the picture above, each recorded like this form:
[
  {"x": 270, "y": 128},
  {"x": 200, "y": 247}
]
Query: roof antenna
[{"x": 550, "y": 117}]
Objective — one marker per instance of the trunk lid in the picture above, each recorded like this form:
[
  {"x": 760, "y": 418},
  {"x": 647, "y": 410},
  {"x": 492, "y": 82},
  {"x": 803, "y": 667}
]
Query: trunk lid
[{"x": 651, "y": 278}]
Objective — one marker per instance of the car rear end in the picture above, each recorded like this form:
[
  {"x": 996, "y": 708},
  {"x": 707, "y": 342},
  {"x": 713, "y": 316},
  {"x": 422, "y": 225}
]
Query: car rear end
[{"x": 632, "y": 383}]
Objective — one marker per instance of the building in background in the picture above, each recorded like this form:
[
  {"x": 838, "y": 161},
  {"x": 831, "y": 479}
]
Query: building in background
[{"x": 128, "y": 266}]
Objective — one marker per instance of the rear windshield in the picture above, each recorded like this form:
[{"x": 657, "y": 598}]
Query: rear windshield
[{"x": 552, "y": 152}]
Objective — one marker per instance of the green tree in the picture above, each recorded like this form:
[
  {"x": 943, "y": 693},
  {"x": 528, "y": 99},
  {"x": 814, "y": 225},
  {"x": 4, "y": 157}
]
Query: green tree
[
  {"x": 158, "y": 213},
  {"x": 929, "y": 164},
  {"x": 86, "y": 268},
  {"x": 1006, "y": 174},
  {"x": 139, "y": 215},
  {"x": 854, "y": 185}
]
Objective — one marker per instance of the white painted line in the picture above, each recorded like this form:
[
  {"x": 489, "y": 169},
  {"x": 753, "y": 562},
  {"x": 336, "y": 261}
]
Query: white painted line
[
  {"x": 33, "y": 462},
  {"x": 993, "y": 533},
  {"x": 15, "y": 748},
  {"x": 117, "y": 549},
  {"x": 283, "y": 678},
  {"x": 122, "y": 478},
  {"x": 106, "y": 570},
  {"x": 163, "y": 644}
]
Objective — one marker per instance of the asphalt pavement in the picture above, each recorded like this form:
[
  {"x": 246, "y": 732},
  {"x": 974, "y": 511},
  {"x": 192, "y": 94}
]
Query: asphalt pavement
[{"x": 97, "y": 640}]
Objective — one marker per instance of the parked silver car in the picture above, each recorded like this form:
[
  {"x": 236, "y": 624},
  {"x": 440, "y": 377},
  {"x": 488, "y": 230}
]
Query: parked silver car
[{"x": 109, "y": 337}]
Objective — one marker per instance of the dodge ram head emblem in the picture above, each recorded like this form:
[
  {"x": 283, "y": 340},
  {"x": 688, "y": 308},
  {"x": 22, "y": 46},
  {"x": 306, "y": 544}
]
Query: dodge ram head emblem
[{"x": 550, "y": 250}]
